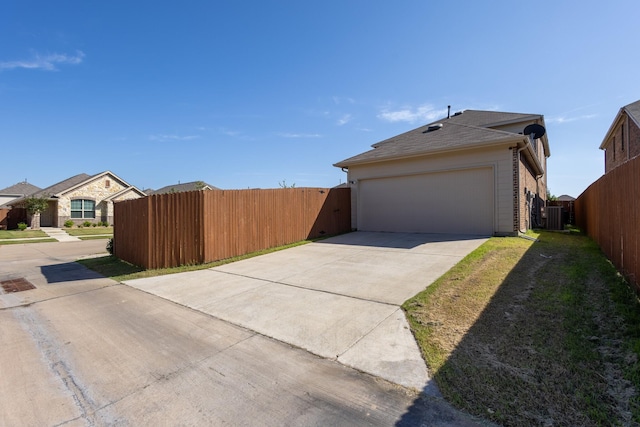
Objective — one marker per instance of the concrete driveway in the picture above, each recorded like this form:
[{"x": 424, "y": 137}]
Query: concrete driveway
[
  {"x": 83, "y": 350},
  {"x": 338, "y": 298}
]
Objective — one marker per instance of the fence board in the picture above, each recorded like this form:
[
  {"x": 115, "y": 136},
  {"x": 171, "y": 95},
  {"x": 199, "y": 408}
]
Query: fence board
[
  {"x": 168, "y": 230},
  {"x": 608, "y": 212}
]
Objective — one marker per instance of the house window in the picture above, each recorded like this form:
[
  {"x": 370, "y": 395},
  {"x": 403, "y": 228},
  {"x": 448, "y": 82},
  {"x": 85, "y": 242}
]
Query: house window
[
  {"x": 107, "y": 183},
  {"x": 83, "y": 209},
  {"x": 622, "y": 138}
]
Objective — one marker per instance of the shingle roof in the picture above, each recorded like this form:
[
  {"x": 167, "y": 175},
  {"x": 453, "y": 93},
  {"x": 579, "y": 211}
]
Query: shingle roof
[
  {"x": 20, "y": 189},
  {"x": 633, "y": 110},
  {"x": 62, "y": 185},
  {"x": 179, "y": 188},
  {"x": 466, "y": 130}
]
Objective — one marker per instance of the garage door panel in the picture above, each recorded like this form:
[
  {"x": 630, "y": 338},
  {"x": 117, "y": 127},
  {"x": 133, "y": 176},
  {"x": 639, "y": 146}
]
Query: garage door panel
[{"x": 444, "y": 202}]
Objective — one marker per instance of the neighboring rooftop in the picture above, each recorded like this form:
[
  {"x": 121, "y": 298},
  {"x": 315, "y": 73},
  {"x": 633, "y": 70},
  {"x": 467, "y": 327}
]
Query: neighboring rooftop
[
  {"x": 633, "y": 110},
  {"x": 180, "y": 188},
  {"x": 20, "y": 189},
  {"x": 565, "y": 198}
]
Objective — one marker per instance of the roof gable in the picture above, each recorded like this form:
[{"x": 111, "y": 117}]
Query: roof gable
[{"x": 632, "y": 111}]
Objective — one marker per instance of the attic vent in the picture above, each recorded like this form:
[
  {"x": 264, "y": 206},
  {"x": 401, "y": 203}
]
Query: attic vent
[
  {"x": 431, "y": 128},
  {"x": 457, "y": 113}
]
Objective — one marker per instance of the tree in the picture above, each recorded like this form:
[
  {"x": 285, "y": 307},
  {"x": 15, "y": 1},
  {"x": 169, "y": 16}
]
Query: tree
[
  {"x": 200, "y": 185},
  {"x": 283, "y": 184},
  {"x": 551, "y": 197},
  {"x": 35, "y": 206}
]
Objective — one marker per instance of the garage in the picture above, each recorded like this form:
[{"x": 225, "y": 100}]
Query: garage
[{"x": 456, "y": 201}]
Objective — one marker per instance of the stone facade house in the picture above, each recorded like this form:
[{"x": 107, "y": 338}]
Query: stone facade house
[
  {"x": 476, "y": 172},
  {"x": 84, "y": 198},
  {"x": 622, "y": 141}
]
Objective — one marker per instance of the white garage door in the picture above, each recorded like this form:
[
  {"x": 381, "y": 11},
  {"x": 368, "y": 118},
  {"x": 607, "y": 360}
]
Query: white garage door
[{"x": 443, "y": 202}]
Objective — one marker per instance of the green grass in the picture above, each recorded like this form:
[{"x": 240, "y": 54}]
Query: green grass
[
  {"x": 533, "y": 333},
  {"x": 116, "y": 269},
  {"x": 88, "y": 231},
  {"x": 96, "y": 237},
  {"x": 17, "y": 234}
]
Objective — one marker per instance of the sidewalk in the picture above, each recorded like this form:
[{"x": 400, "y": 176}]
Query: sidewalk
[
  {"x": 54, "y": 233},
  {"x": 59, "y": 234}
]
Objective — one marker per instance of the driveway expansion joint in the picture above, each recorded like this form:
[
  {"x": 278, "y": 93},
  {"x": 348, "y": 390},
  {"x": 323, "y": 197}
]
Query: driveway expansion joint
[{"x": 275, "y": 282}]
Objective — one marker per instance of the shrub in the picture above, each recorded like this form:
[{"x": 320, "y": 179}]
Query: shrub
[
  {"x": 87, "y": 224},
  {"x": 22, "y": 226},
  {"x": 94, "y": 224},
  {"x": 110, "y": 246},
  {"x": 68, "y": 223}
]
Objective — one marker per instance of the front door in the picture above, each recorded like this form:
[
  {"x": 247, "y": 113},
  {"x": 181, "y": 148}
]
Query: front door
[{"x": 46, "y": 217}]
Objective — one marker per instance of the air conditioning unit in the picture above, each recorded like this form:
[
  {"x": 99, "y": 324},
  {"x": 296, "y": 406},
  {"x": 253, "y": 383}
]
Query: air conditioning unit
[{"x": 554, "y": 218}]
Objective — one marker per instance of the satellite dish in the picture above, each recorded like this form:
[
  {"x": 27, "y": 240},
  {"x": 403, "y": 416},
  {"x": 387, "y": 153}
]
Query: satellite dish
[{"x": 537, "y": 130}]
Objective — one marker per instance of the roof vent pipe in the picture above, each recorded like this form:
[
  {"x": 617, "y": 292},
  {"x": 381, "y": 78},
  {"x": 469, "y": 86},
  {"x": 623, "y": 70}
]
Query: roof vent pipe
[{"x": 448, "y": 111}]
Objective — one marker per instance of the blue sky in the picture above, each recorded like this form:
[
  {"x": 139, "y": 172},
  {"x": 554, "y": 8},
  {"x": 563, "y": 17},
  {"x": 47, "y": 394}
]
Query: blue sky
[{"x": 246, "y": 94}]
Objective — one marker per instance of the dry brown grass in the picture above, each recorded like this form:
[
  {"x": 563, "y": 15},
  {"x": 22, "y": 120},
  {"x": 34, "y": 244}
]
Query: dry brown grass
[{"x": 526, "y": 333}]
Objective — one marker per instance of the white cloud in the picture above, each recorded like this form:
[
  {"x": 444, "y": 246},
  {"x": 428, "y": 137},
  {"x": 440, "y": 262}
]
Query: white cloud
[
  {"x": 46, "y": 62},
  {"x": 423, "y": 113},
  {"x": 565, "y": 119},
  {"x": 346, "y": 118},
  {"x": 299, "y": 135},
  {"x": 164, "y": 138}
]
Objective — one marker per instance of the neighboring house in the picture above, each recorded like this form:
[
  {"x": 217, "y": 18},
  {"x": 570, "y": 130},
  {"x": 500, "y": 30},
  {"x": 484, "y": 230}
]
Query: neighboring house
[
  {"x": 179, "y": 188},
  {"x": 17, "y": 191},
  {"x": 568, "y": 212},
  {"x": 84, "y": 198},
  {"x": 472, "y": 173},
  {"x": 622, "y": 141}
]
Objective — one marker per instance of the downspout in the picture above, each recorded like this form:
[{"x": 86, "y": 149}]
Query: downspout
[
  {"x": 538, "y": 192},
  {"x": 518, "y": 175}
]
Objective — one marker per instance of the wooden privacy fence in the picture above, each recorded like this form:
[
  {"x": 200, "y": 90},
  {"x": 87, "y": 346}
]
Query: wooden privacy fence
[
  {"x": 608, "y": 211},
  {"x": 196, "y": 227},
  {"x": 9, "y": 218}
]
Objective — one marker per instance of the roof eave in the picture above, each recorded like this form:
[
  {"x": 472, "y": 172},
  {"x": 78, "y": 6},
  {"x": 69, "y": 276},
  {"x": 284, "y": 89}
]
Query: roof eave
[
  {"x": 507, "y": 142},
  {"x": 614, "y": 124},
  {"x": 513, "y": 121}
]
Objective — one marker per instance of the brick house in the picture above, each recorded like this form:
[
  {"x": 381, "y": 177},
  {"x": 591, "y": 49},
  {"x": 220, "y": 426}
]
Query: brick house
[{"x": 622, "y": 141}]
